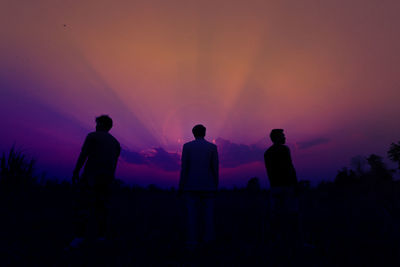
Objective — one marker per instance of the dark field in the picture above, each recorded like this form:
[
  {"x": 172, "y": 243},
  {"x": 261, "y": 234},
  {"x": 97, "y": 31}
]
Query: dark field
[{"x": 351, "y": 225}]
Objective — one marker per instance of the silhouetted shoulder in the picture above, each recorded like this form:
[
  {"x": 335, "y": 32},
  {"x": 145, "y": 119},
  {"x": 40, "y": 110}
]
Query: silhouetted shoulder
[
  {"x": 91, "y": 135},
  {"x": 115, "y": 139},
  {"x": 200, "y": 143},
  {"x": 89, "y": 140},
  {"x": 100, "y": 137},
  {"x": 277, "y": 148},
  {"x": 213, "y": 146},
  {"x": 284, "y": 148},
  {"x": 116, "y": 143},
  {"x": 188, "y": 144}
]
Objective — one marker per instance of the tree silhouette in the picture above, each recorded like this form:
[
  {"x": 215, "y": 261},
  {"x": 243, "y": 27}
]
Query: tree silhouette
[
  {"x": 378, "y": 168},
  {"x": 345, "y": 177},
  {"x": 394, "y": 153},
  {"x": 359, "y": 163},
  {"x": 253, "y": 185},
  {"x": 16, "y": 168}
]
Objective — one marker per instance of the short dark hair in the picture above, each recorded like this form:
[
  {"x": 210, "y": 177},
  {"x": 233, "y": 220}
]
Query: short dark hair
[
  {"x": 275, "y": 134},
  {"x": 105, "y": 122},
  {"x": 199, "y": 130}
]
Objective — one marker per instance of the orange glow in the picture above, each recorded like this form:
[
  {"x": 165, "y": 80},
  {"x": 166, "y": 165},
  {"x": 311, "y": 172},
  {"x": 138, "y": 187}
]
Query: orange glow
[{"x": 239, "y": 67}]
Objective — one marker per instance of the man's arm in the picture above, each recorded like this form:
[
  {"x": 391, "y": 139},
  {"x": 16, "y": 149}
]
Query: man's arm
[
  {"x": 81, "y": 159},
  {"x": 215, "y": 166},
  {"x": 116, "y": 160},
  {"x": 291, "y": 169},
  {"x": 184, "y": 168},
  {"x": 266, "y": 162}
]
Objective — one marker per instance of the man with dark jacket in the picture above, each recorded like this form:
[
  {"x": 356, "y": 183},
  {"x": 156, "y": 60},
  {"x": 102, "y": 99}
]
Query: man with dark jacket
[
  {"x": 198, "y": 182},
  {"x": 278, "y": 162},
  {"x": 283, "y": 185},
  {"x": 99, "y": 154}
]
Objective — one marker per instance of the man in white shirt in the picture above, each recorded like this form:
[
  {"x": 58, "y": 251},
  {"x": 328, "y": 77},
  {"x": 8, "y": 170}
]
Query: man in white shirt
[{"x": 198, "y": 183}]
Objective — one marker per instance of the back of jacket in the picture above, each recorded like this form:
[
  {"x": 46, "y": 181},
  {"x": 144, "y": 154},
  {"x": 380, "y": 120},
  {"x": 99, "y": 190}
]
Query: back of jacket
[
  {"x": 102, "y": 151},
  {"x": 280, "y": 169},
  {"x": 199, "y": 170}
]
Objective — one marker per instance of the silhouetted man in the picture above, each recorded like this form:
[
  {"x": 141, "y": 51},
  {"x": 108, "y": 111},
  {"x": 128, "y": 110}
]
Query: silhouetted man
[
  {"x": 283, "y": 182},
  {"x": 99, "y": 154},
  {"x": 199, "y": 182},
  {"x": 278, "y": 162}
]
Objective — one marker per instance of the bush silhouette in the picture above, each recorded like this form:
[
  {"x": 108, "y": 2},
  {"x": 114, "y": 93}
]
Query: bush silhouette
[
  {"x": 16, "y": 168},
  {"x": 378, "y": 168},
  {"x": 345, "y": 177},
  {"x": 394, "y": 153},
  {"x": 253, "y": 185}
]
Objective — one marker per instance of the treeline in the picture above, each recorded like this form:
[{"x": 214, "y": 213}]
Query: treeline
[
  {"x": 351, "y": 221},
  {"x": 369, "y": 169},
  {"x": 18, "y": 170}
]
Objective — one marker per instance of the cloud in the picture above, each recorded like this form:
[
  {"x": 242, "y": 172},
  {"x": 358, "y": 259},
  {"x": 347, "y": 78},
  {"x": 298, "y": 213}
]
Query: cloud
[
  {"x": 164, "y": 160},
  {"x": 133, "y": 157},
  {"x": 158, "y": 157},
  {"x": 232, "y": 154},
  {"x": 313, "y": 142}
]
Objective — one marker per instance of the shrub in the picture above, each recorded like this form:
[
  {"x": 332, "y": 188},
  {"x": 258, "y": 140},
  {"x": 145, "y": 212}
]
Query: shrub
[{"x": 16, "y": 168}]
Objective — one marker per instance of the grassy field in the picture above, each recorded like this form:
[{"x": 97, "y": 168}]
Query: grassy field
[{"x": 353, "y": 225}]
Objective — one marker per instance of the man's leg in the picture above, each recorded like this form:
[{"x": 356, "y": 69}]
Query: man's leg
[
  {"x": 192, "y": 206},
  {"x": 294, "y": 219},
  {"x": 81, "y": 213},
  {"x": 209, "y": 217},
  {"x": 100, "y": 209},
  {"x": 277, "y": 211},
  {"x": 288, "y": 221}
]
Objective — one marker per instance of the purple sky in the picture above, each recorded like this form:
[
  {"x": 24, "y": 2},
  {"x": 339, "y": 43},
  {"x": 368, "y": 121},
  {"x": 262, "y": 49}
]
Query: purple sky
[{"x": 326, "y": 72}]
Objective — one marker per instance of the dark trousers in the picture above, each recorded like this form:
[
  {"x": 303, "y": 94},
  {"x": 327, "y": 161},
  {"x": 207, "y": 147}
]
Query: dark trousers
[
  {"x": 284, "y": 215},
  {"x": 200, "y": 221},
  {"x": 91, "y": 201}
]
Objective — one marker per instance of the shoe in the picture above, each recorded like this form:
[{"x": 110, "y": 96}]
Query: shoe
[{"x": 76, "y": 242}]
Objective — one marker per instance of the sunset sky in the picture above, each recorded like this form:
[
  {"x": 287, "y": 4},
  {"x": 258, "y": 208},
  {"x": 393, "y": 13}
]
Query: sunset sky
[{"x": 328, "y": 72}]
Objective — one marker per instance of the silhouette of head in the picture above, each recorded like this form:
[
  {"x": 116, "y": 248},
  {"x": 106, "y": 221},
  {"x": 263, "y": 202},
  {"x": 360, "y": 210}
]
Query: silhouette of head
[
  {"x": 277, "y": 136},
  {"x": 104, "y": 123},
  {"x": 199, "y": 131}
]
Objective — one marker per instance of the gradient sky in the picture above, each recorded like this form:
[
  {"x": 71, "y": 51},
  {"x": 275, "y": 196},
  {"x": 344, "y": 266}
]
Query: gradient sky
[{"x": 328, "y": 72}]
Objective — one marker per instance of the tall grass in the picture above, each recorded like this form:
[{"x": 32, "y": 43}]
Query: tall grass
[{"x": 16, "y": 168}]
